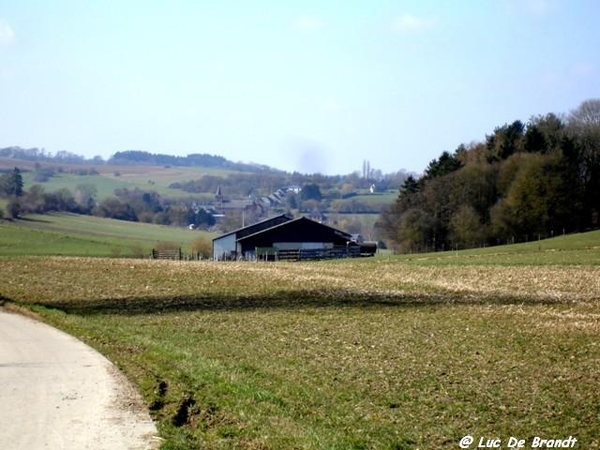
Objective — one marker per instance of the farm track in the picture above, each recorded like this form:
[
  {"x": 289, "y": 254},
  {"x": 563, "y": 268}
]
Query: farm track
[{"x": 59, "y": 393}]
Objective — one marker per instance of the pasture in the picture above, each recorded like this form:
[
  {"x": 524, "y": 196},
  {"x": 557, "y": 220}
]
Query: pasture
[
  {"x": 80, "y": 235},
  {"x": 111, "y": 177},
  {"x": 410, "y": 352}
]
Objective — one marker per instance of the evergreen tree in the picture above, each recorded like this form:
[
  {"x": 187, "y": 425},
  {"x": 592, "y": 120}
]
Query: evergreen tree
[{"x": 11, "y": 184}]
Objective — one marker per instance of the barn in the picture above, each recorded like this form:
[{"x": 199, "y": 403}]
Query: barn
[
  {"x": 283, "y": 237},
  {"x": 226, "y": 246}
]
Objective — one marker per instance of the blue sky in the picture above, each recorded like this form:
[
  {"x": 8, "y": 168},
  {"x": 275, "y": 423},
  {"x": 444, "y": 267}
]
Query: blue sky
[{"x": 314, "y": 86}]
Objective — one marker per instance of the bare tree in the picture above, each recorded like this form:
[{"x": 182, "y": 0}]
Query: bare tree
[{"x": 586, "y": 115}]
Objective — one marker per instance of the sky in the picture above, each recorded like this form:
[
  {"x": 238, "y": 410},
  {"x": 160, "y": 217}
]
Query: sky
[{"x": 312, "y": 86}]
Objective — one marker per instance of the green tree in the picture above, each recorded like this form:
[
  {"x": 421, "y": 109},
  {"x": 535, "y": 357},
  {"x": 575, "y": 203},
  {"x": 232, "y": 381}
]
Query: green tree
[
  {"x": 34, "y": 200},
  {"x": 204, "y": 219},
  {"x": 62, "y": 200},
  {"x": 584, "y": 129},
  {"x": 444, "y": 165},
  {"x": 180, "y": 215},
  {"x": 14, "y": 208},
  {"x": 506, "y": 140},
  {"x": 85, "y": 196},
  {"x": 537, "y": 200},
  {"x": 410, "y": 186},
  {"x": 466, "y": 229},
  {"x": 415, "y": 231},
  {"x": 11, "y": 184},
  {"x": 115, "y": 209},
  {"x": 543, "y": 134},
  {"x": 475, "y": 185},
  {"x": 311, "y": 191}
]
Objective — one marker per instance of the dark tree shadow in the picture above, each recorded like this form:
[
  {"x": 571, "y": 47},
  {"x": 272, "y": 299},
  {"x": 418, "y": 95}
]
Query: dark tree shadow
[{"x": 286, "y": 300}]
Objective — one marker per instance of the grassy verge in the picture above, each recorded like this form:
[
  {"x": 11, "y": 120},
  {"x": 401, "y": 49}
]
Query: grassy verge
[{"x": 378, "y": 354}]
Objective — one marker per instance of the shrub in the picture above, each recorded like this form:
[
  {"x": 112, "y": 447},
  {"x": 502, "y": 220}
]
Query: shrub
[
  {"x": 166, "y": 245},
  {"x": 203, "y": 247},
  {"x": 14, "y": 209}
]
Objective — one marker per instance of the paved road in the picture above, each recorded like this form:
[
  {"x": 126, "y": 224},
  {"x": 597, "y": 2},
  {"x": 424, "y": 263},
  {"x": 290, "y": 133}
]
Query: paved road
[{"x": 58, "y": 393}]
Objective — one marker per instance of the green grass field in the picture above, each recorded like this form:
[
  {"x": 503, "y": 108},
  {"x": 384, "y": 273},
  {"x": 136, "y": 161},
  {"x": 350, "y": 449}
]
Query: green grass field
[
  {"x": 575, "y": 249},
  {"x": 402, "y": 352},
  {"x": 148, "y": 178},
  {"x": 78, "y": 235}
]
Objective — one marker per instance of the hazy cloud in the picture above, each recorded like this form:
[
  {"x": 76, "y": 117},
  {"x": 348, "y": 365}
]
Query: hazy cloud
[
  {"x": 541, "y": 7},
  {"x": 532, "y": 7},
  {"x": 408, "y": 23},
  {"x": 568, "y": 78},
  {"x": 331, "y": 104},
  {"x": 307, "y": 23},
  {"x": 7, "y": 35},
  {"x": 308, "y": 155}
]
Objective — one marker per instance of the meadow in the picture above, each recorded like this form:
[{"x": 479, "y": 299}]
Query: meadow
[
  {"x": 409, "y": 352},
  {"x": 80, "y": 235},
  {"x": 110, "y": 177}
]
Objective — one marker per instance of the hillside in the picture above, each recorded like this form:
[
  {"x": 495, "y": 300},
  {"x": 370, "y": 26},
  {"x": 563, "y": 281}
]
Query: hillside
[
  {"x": 106, "y": 178},
  {"x": 133, "y": 186},
  {"x": 79, "y": 235},
  {"x": 574, "y": 249}
]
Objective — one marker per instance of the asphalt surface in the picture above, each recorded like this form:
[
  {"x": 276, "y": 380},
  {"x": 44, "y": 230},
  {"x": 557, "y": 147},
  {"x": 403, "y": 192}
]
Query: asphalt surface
[{"x": 58, "y": 393}]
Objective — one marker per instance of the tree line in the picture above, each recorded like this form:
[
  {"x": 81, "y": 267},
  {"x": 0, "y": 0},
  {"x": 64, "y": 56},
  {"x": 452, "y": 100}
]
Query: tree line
[
  {"x": 40, "y": 154},
  {"x": 523, "y": 182}
]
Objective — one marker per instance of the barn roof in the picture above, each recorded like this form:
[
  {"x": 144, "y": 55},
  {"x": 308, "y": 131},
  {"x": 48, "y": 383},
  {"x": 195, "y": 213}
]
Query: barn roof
[
  {"x": 290, "y": 223},
  {"x": 257, "y": 227}
]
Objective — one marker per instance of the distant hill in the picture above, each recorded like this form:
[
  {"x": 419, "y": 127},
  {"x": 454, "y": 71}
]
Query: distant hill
[{"x": 132, "y": 158}]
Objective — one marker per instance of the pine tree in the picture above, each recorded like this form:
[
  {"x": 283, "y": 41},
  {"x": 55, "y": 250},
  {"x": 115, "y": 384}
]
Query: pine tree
[
  {"x": 17, "y": 182},
  {"x": 11, "y": 184}
]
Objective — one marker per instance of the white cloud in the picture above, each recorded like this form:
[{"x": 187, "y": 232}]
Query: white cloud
[
  {"x": 7, "y": 35},
  {"x": 408, "y": 23},
  {"x": 307, "y": 23}
]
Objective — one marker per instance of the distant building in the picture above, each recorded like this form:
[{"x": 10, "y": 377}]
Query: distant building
[
  {"x": 227, "y": 246},
  {"x": 285, "y": 237}
]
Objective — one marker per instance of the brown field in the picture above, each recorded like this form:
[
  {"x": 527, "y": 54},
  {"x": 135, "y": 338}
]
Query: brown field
[{"x": 364, "y": 354}]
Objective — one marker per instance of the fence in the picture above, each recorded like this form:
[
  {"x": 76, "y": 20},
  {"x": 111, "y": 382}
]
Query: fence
[
  {"x": 174, "y": 254},
  {"x": 305, "y": 254}
]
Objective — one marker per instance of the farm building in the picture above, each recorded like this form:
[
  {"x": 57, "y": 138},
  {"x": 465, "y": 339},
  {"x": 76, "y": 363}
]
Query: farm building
[{"x": 283, "y": 237}]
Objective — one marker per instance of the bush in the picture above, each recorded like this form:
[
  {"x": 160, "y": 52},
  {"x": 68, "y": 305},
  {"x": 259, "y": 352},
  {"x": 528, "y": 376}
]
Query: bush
[
  {"x": 166, "y": 245},
  {"x": 14, "y": 209},
  {"x": 202, "y": 247}
]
